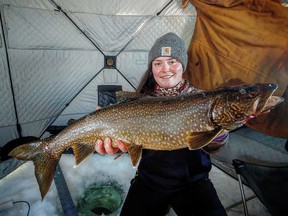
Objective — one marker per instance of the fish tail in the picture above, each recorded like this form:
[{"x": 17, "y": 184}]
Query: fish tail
[{"x": 44, "y": 161}]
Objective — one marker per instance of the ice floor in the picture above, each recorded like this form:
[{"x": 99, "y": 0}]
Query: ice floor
[
  {"x": 21, "y": 184},
  {"x": 247, "y": 145},
  {"x": 229, "y": 193}
]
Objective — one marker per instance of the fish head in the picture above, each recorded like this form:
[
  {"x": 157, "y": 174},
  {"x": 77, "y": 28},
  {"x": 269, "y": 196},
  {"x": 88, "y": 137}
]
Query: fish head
[{"x": 236, "y": 105}]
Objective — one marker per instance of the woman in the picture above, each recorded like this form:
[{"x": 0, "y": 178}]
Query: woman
[{"x": 179, "y": 178}]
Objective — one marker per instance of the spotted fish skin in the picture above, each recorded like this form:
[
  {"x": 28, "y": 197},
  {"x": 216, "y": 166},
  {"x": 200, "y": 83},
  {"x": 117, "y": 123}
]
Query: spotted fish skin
[{"x": 158, "y": 123}]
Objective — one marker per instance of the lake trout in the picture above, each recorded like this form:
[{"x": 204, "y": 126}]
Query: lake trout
[{"x": 158, "y": 123}]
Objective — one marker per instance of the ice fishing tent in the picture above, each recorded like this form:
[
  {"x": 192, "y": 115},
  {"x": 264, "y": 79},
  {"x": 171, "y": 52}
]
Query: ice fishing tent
[
  {"x": 55, "y": 54},
  {"x": 60, "y": 58}
]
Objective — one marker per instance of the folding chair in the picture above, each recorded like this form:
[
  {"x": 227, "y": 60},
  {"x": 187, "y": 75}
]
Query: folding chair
[{"x": 268, "y": 182}]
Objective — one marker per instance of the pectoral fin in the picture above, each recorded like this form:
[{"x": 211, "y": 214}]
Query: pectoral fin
[{"x": 197, "y": 140}]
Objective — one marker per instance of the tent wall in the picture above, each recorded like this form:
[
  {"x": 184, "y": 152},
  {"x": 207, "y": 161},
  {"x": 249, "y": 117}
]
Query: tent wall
[{"x": 52, "y": 55}]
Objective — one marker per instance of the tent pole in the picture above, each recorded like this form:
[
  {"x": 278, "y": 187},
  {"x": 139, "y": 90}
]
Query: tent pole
[
  {"x": 18, "y": 126},
  {"x": 67, "y": 16},
  {"x": 140, "y": 29}
]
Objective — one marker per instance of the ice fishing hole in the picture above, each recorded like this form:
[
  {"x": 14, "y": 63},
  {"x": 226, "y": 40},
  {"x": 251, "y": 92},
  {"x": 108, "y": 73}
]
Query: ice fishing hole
[{"x": 104, "y": 199}]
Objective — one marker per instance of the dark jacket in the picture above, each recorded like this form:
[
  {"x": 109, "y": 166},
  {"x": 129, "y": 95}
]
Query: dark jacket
[{"x": 172, "y": 171}]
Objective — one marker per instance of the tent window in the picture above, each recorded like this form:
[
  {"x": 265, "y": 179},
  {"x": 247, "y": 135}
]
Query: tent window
[{"x": 107, "y": 94}]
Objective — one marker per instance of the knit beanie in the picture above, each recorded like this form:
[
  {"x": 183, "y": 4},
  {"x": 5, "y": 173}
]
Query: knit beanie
[{"x": 169, "y": 44}]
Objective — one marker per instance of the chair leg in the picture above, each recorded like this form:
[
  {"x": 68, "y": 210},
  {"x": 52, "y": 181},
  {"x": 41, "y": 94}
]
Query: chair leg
[{"x": 243, "y": 195}]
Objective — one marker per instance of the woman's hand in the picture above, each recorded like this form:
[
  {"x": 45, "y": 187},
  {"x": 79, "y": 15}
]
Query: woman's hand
[{"x": 105, "y": 147}]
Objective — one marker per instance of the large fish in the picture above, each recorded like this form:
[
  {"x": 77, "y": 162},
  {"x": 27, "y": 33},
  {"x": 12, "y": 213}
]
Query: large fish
[{"x": 159, "y": 123}]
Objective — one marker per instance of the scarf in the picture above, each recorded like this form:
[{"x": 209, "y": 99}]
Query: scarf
[{"x": 182, "y": 88}]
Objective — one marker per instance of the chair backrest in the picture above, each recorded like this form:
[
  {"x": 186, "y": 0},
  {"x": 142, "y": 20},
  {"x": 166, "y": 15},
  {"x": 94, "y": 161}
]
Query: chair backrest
[{"x": 269, "y": 183}]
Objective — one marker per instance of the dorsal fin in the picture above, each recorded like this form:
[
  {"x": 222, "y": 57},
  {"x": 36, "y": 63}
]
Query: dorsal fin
[{"x": 125, "y": 96}]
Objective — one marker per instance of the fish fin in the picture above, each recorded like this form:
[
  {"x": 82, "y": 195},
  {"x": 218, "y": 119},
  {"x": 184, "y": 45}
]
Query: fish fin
[
  {"x": 82, "y": 151},
  {"x": 135, "y": 152},
  {"x": 124, "y": 96},
  {"x": 197, "y": 140},
  {"x": 26, "y": 151},
  {"x": 44, "y": 172},
  {"x": 45, "y": 162},
  {"x": 119, "y": 155}
]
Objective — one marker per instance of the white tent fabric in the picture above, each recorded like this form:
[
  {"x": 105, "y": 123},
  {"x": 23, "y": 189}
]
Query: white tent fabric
[
  {"x": 52, "y": 55},
  {"x": 52, "y": 62}
]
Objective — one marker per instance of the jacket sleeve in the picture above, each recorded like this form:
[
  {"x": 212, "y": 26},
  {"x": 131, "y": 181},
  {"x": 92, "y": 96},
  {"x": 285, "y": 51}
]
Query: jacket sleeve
[{"x": 216, "y": 144}]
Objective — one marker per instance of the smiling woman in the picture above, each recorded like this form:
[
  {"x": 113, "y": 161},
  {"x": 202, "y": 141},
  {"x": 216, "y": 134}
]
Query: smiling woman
[
  {"x": 167, "y": 71},
  {"x": 170, "y": 177}
]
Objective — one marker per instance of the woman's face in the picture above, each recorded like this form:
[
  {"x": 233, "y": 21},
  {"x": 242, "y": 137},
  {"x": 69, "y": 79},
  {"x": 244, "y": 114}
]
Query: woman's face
[{"x": 167, "y": 71}]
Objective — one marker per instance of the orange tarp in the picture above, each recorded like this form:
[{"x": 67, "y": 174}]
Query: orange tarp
[{"x": 242, "y": 41}]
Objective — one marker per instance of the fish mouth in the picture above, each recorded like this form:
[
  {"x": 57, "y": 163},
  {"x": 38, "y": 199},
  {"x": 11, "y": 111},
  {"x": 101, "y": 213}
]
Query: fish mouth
[
  {"x": 267, "y": 101},
  {"x": 272, "y": 102}
]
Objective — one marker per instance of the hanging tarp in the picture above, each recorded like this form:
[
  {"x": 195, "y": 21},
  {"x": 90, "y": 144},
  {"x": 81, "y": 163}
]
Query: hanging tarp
[{"x": 238, "y": 42}]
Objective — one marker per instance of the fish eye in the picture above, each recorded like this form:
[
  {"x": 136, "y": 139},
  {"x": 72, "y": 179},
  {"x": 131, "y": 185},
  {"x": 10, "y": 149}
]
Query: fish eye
[{"x": 242, "y": 91}]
